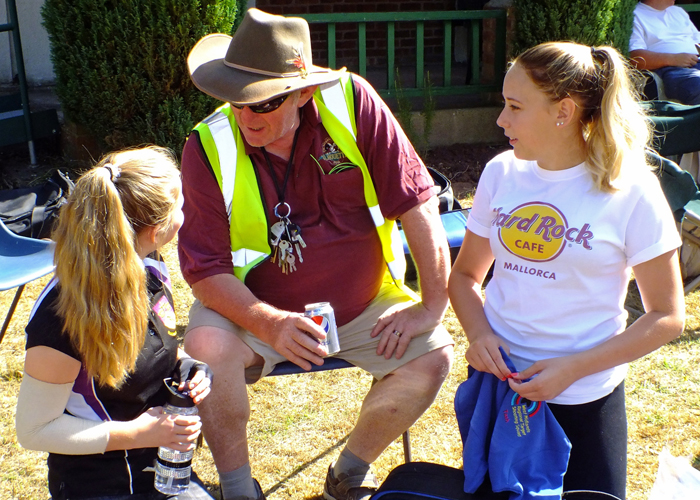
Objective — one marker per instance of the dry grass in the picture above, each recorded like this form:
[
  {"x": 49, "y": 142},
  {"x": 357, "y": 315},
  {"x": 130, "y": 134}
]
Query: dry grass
[{"x": 299, "y": 423}]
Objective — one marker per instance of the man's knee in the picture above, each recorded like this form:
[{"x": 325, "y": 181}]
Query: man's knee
[
  {"x": 431, "y": 368},
  {"x": 683, "y": 84},
  {"x": 224, "y": 352},
  {"x": 214, "y": 345},
  {"x": 439, "y": 363},
  {"x": 693, "y": 98}
]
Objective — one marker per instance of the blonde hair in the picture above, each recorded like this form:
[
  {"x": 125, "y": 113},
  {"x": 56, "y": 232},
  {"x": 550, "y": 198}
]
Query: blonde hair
[
  {"x": 616, "y": 131},
  {"x": 103, "y": 298}
]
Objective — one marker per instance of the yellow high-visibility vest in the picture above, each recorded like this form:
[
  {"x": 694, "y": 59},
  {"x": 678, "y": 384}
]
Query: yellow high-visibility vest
[{"x": 223, "y": 144}]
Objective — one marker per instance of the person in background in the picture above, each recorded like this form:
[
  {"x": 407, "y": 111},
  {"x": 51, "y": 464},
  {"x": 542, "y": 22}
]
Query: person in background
[
  {"x": 101, "y": 338},
  {"x": 292, "y": 190},
  {"x": 567, "y": 215},
  {"x": 665, "y": 40}
]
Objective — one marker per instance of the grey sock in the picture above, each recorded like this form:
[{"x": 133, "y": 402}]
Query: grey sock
[
  {"x": 350, "y": 464},
  {"x": 239, "y": 484}
]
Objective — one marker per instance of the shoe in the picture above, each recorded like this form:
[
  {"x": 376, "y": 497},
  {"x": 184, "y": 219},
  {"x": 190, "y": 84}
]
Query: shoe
[
  {"x": 349, "y": 487},
  {"x": 262, "y": 495}
]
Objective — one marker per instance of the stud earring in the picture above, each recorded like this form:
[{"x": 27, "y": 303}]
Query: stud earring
[{"x": 559, "y": 124}]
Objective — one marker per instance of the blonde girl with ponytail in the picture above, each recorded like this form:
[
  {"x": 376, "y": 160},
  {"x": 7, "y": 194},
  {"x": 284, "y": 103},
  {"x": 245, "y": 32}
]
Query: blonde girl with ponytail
[
  {"x": 567, "y": 215},
  {"x": 101, "y": 338}
]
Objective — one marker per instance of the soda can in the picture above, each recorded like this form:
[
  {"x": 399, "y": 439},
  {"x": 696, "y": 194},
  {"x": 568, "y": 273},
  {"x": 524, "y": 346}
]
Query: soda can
[{"x": 322, "y": 314}]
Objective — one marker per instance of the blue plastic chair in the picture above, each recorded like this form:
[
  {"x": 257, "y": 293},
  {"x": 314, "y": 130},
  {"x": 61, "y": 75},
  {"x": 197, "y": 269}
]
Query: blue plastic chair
[
  {"x": 21, "y": 260},
  {"x": 333, "y": 363}
]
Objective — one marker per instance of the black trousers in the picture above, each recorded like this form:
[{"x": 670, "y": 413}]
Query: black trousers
[{"x": 598, "y": 435}]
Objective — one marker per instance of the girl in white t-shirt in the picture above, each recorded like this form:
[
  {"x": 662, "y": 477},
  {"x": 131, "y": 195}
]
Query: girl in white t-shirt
[{"x": 567, "y": 215}]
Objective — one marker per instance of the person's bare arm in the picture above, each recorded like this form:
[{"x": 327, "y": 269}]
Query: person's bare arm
[
  {"x": 649, "y": 60},
  {"x": 43, "y": 425},
  {"x": 426, "y": 239},
  {"x": 468, "y": 274}
]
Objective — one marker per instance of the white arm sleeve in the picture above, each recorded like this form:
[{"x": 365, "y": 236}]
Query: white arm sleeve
[{"x": 42, "y": 425}]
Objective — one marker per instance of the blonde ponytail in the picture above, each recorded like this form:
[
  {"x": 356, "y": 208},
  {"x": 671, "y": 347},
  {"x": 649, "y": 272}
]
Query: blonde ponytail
[
  {"x": 615, "y": 129},
  {"x": 103, "y": 298}
]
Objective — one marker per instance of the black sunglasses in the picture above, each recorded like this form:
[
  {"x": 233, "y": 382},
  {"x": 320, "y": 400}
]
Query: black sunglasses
[{"x": 266, "y": 107}]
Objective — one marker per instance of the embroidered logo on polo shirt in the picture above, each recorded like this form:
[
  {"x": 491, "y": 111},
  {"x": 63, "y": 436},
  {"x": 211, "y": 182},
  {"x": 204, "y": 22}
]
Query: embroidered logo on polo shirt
[
  {"x": 521, "y": 411},
  {"x": 331, "y": 152},
  {"x": 165, "y": 312}
]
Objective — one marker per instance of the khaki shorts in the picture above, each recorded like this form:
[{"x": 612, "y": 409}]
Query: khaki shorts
[{"x": 356, "y": 345}]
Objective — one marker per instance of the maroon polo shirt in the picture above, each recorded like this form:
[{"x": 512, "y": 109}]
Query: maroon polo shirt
[{"x": 343, "y": 261}]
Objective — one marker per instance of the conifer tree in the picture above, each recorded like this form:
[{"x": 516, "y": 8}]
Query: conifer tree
[
  {"x": 591, "y": 22},
  {"x": 120, "y": 65}
]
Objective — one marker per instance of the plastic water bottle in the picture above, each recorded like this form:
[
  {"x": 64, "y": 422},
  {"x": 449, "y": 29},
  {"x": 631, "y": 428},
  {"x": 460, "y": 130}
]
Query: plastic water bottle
[{"x": 173, "y": 468}]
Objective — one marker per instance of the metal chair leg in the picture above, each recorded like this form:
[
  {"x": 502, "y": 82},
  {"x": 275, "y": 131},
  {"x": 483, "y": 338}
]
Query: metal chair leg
[
  {"x": 13, "y": 306},
  {"x": 407, "y": 446}
]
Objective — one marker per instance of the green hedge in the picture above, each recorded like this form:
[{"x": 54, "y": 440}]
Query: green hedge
[
  {"x": 121, "y": 68},
  {"x": 591, "y": 22}
]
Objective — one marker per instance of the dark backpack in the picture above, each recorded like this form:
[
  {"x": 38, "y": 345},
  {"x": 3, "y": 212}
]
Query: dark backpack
[
  {"x": 423, "y": 480},
  {"x": 32, "y": 211}
]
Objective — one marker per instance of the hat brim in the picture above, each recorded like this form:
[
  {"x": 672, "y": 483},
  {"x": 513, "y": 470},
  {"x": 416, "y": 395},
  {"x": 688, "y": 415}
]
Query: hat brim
[{"x": 210, "y": 75}]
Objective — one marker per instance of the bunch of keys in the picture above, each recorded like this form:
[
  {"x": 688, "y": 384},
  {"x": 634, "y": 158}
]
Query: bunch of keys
[{"x": 286, "y": 238}]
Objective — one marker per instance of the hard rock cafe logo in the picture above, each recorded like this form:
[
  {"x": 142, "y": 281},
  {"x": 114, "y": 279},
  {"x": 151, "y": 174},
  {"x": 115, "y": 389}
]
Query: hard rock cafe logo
[
  {"x": 331, "y": 152},
  {"x": 538, "y": 232}
]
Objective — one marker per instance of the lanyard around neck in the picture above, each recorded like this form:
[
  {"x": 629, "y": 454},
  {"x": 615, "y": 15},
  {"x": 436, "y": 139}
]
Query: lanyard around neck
[{"x": 281, "y": 191}]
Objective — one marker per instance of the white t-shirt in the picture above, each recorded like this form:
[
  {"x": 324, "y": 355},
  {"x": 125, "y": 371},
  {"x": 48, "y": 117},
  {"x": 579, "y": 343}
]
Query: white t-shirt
[
  {"x": 669, "y": 31},
  {"x": 564, "y": 252}
]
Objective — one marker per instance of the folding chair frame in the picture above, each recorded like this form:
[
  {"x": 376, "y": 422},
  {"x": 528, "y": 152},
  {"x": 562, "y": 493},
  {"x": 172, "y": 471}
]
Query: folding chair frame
[{"x": 684, "y": 199}]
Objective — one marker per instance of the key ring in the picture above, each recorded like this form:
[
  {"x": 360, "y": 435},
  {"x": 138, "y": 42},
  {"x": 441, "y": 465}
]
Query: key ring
[{"x": 289, "y": 210}]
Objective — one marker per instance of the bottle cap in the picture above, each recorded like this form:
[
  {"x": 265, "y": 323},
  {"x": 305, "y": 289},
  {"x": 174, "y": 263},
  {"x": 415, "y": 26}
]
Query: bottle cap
[{"x": 175, "y": 397}]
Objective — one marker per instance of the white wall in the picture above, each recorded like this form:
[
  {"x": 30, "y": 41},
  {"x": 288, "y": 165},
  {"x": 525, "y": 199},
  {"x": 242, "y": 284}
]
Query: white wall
[{"x": 35, "y": 44}]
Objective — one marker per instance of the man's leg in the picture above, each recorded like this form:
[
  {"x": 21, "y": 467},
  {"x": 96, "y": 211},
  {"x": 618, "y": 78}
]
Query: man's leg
[
  {"x": 391, "y": 406},
  {"x": 226, "y": 410},
  {"x": 406, "y": 388},
  {"x": 682, "y": 84},
  {"x": 394, "y": 403}
]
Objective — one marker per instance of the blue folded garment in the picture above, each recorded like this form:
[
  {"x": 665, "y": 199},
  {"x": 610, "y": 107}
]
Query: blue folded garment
[{"x": 519, "y": 442}]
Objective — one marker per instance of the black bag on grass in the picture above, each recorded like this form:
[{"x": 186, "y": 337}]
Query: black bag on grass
[
  {"x": 32, "y": 211},
  {"x": 423, "y": 480}
]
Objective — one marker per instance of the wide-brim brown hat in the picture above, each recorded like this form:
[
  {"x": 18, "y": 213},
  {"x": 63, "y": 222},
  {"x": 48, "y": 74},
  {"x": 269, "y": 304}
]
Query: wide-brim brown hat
[{"x": 267, "y": 56}]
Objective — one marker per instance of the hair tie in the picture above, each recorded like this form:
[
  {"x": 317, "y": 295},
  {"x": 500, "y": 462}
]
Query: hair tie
[
  {"x": 597, "y": 56},
  {"x": 114, "y": 171}
]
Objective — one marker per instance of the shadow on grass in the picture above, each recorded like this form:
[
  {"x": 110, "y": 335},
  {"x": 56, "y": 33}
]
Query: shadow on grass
[{"x": 305, "y": 466}]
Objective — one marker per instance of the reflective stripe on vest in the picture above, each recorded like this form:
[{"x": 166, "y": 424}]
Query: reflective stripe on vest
[
  {"x": 234, "y": 172},
  {"x": 337, "y": 110},
  {"x": 222, "y": 143}
]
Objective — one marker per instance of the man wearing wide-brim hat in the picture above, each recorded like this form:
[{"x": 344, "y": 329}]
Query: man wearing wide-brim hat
[{"x": 292, "y": 190}]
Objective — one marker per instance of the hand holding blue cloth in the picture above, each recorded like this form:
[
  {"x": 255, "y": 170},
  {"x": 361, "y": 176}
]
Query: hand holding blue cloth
[{"x": 518, "y": 442}]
